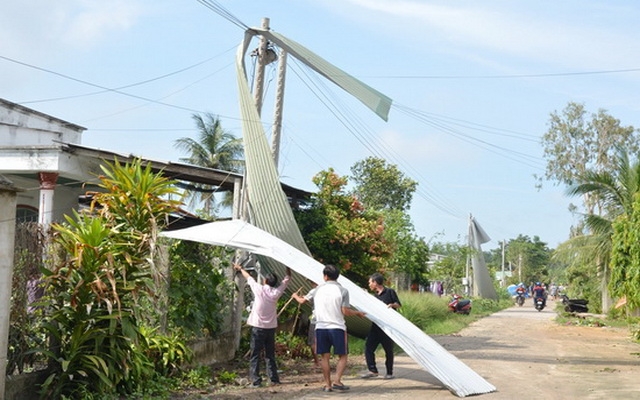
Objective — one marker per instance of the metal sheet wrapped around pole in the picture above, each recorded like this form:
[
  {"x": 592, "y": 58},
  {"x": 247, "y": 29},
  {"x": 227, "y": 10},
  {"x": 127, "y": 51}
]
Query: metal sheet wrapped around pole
[{"x": 281, "y": 242}]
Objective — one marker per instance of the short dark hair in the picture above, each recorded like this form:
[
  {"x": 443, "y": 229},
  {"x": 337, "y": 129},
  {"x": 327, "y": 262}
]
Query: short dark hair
[
  {"x": 271, "y": 280},
  {"x": 377, "y": 278},
  {"x": 331, "y": 271}
]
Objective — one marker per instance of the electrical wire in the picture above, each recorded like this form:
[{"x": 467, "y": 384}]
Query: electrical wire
[
  {"x": 364, "y": 135},
  {"x": 97, "y": 86},
  {"x": 513, "y": 76},
  {"x": 224, "y": 13},
  {"x": 519, "y": 157},
  {"x": 163, "y": 97},
  {"x": 132, "y": 84}
]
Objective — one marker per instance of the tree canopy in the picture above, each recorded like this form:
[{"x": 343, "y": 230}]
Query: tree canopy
[
  {"x": 382, "y": 186},
  {"x": 625, "y": 257},
  {"x": 587, "y": 154},
  {"x": 529, "y": 258},
  {"x": 367, "y": 229},
  {"x": 576, "y": 143},
  {"x": 215, "y": 148},
  {"x": 339, "y": 230}
]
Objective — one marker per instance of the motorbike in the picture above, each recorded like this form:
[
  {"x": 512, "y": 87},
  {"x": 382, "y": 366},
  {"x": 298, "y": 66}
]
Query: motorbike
[
  {"x": 539, "y": 303},
  {"x": 574, "y": 305},
  {"x": 520, "y": 299},
  {"x": 459, "y": 305}
]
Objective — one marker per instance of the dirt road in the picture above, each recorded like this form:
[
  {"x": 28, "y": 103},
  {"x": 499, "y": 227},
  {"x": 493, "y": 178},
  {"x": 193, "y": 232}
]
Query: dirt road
[
  {"x": 524, "y": 354},
  {"x": 521, "y": 351}
]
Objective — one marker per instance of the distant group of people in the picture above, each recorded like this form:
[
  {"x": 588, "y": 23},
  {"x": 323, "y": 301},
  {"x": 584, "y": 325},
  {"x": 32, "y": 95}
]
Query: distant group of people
[
  {"x": 330, "y": 305},
  {"x": 540, "y": 290}
]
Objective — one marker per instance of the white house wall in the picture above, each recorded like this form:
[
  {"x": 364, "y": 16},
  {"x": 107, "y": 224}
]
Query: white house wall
[
  {"x": 28, "y": 159},
  {"x": 22, "y": 126}
]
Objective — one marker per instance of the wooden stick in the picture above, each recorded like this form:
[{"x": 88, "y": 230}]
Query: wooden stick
[
  {"x": 287, "y": 303},
  {"x": 295, "y": 321}
]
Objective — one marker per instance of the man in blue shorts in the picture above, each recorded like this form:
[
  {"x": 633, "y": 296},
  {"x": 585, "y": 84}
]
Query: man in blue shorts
[{"x": 330, "y": 305}]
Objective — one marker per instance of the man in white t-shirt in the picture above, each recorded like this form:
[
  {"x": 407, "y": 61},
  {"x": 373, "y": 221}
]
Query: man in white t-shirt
[{"x": 330, "y": 305}]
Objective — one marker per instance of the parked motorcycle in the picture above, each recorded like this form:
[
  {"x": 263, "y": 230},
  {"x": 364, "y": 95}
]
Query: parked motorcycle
[
  {"x": 539, "y": 303},
  {"x": 460, "y": 305},
  {"x": 574, "y": 305}
]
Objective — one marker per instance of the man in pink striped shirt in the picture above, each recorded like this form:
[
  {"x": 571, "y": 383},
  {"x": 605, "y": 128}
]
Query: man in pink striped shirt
[{"x": 263, "y": 319}]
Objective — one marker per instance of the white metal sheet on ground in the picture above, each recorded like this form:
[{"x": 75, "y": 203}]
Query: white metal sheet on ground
[{"x": 444, "y": 366}]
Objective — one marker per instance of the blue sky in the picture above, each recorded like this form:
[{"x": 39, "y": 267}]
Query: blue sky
[{"x": 473, "y": 84}]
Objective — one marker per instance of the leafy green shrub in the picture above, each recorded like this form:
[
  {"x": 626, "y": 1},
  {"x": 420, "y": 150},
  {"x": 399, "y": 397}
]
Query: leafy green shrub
[
  {"x": 90, "y": 317},
  {"x": 225, "y": 377},
  {"x": 197, "y": 378},
  {"x": 199, "y": 292},
  {"x": 93, "y": 291},
  {"x": 292, "y": 346},
  {"x": 166, "y": 352}
]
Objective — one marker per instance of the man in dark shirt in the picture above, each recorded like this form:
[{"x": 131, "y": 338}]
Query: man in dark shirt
[{"x": 376, "y": 335}]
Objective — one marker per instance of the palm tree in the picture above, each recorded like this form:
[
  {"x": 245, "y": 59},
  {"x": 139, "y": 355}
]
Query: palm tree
[
  {"x": 612, "y": 193},
  {"x": 215, "y": 148}
]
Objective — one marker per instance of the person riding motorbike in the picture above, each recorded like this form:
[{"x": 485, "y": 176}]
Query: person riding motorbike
[
  {"x": 539, "y": 292},
  {"x": 521, "y": 292}
]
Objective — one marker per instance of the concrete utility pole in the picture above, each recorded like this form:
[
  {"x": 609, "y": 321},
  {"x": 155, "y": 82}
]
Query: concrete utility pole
[
  {"x": 520, "y": 267},
  {"x": 503, "y": 277},
  {"x": 7, "y": 239},
  {"x": 258, "y": 84},
  {"x": 277, "y": 110},
  {"x": 265, "y": 56}
]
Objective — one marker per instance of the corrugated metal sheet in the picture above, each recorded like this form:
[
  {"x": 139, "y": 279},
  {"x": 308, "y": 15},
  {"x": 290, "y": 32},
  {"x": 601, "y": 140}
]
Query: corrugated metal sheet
[
  {"x": 270, "y": 211},
  {"x": 376, "y": 101},
  {"x": 450, "y": 371},
  {"x": 268, "y": 208},
  {"x": 482, "y": 282}
]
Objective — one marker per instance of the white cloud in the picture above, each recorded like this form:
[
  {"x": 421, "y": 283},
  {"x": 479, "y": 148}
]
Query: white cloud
[
  {"x": 589, "y": 37},
  {"x": 92, "y": 20},
  {"x": 34, "y": 28}
]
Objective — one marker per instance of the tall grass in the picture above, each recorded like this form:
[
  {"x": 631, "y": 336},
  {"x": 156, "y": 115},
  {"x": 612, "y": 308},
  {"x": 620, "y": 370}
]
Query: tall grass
[{"x": 431, "y": 314}]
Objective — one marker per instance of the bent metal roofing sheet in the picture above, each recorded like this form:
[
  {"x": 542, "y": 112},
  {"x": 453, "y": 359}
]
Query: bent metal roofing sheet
[{"x": 449, "y": 370}]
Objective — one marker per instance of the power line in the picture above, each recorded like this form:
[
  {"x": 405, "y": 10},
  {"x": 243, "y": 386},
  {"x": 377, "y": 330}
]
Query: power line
[
  {"x": 132, "y": 84},
  {"x": 224, "y": 13},
  {"x": 473, "y": 125},
  {"x": 513, "y": 155},
  {"x": 350, "y": 122},
  {"x": 163, "y": 97},
  {"x": 514, "y": 76},
  {"x": 96, "y": 85}
]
